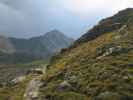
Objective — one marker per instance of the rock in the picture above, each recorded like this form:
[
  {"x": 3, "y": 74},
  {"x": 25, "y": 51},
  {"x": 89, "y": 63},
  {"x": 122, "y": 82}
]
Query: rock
[
  {"x": 36, "y": 71},
  {"x": 64, "y": 86},
  {"x": 106, "y": 51},
  {"x": 117, "y": 37},
  {"x": 122, "y": 28},
  {"x": 32, "y": 91},
  {"x": 70, "y": 77},
  {"x": 18, "y": 79},
  {"x": 127, "y": 78}
]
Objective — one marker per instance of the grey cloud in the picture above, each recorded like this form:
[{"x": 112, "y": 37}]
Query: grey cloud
[
  {"x": 18, "y": 18},
  {"x": 26, "y": 18}
]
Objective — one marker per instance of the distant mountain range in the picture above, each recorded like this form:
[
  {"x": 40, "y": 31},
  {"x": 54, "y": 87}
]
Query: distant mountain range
[{"x": 13, "y": 50}]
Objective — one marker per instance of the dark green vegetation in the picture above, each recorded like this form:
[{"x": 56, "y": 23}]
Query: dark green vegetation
[
  {"x": 99, "y": 66},
  {"x": 14, "y": 50}
]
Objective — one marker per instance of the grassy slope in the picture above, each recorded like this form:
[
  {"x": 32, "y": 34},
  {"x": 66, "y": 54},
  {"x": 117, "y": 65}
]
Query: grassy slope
[{"x": 113, "y": 73}]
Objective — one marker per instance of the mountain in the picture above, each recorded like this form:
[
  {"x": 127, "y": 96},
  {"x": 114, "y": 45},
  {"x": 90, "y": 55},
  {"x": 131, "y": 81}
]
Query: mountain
[
  {"x": 25, "y": 50},
  {"x": 54, "y": 40},
  {"x": 5, "y": 45},
  {"x": 98, "y": 66}
]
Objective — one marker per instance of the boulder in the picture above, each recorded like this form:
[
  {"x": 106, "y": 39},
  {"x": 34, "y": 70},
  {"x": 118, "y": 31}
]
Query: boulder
[
  {"x": 35, "y": 71},
  {"x": 64, "y": 86},
  {"x": 18, "y": 79}
]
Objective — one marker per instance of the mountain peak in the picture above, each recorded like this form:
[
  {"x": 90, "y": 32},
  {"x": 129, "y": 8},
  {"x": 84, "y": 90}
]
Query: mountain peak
[
  {"x": 54, "y": 32},
  {"x": 56, "y": 39}
]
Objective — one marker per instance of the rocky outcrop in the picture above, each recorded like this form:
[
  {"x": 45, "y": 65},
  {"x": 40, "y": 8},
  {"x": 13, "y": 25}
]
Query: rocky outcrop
[
  {"x": 17, "y": 80},
  {"x": 38, "y": 70},
  {"x": 35, "y": 71},
  {"x": 64, "y": 86},
  {"x": 108, "y": 50}
]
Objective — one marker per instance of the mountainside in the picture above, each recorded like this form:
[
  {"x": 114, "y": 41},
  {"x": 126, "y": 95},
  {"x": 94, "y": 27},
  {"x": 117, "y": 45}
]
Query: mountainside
[
  {"x": 34, "y": 48},
  {"x": 99, "y": 66},
  {"x": 108, "y": 25},
  {"x": 54, "y": 40},
  {"x": 5, "y": 45}
]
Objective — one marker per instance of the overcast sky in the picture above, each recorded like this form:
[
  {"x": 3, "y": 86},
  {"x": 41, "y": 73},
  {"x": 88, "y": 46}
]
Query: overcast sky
[{"x": 27, "y": 18}]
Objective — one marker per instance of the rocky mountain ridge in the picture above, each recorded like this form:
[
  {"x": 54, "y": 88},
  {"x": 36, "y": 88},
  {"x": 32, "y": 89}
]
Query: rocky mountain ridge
[{"x": 108, "y": 25}]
